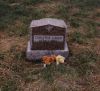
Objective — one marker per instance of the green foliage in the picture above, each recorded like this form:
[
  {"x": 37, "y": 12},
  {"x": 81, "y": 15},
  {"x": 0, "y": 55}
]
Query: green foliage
[
  {"x": 86, "y": 56},
  {"x": 20, "y": 10},
  {"x": 17, "y": 68},
  {"x": 17, "y": 54},
  {"x": 48, "y": 74},
  {"x": 92, "y": 31},
  {"x": 75, "y": 22},
  {"x": 10, "y": 85},
  {"x": 31, "y": 75},
  {"x": 2, "y": 56},
  {"x": 25, "y": 1},
  {"x": 28, "y": 2},
  {"x": 20, "y": 30},
  {"x": 4, "y": 13},
  {"x": 81, "y": 14},
  {"x": 4, "y": 8},
  {"x": 78, "y": 37},
  {"x": 38, "y": 13},
  {"x": 98, "y": 14},
  {"x": 12, "y": 1},
  {"x": 63, "y": 11},
  {"x": 86, "y": 3},
  {"x": 81, "y": 61},
  {"x": 9, "y": 13},
  {"x": 52, "y": 71}
]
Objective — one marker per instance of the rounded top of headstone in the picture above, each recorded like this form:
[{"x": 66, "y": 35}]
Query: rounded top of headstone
[{"x": 48, "y": 21}]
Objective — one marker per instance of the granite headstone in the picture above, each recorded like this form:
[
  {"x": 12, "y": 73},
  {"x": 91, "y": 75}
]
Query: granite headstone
[{"x": 47, "y": 37}]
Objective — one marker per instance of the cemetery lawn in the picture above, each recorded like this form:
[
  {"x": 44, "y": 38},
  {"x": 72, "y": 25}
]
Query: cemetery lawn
[{"x": 81, "y": 71}]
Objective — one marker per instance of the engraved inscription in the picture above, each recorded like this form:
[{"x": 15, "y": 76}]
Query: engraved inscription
[{"x": 47, "y": 38}]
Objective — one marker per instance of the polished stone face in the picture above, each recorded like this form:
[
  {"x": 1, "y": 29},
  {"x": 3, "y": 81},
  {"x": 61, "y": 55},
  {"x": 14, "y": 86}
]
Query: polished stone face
[{"x": 48, "y": 37}]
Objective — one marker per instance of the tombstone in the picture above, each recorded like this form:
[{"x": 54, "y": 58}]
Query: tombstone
[{"x": 47, "y": 37}]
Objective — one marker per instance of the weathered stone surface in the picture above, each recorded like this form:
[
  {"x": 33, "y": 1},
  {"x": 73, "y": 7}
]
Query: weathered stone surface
[
  {"x": 37, "y": 54},
  {"x": 48, "y": 21}
]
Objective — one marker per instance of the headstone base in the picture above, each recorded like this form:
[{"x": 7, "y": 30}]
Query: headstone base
[{"x": 38, "y": 54}]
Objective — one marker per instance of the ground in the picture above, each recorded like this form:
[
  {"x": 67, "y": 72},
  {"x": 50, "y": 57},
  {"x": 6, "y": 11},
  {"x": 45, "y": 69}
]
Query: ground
[{"x": 81, "y": 71}]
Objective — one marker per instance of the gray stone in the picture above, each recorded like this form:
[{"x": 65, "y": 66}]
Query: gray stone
[
  {"x": 48, "y": 21},
  {"x": 38, "y": 54}
]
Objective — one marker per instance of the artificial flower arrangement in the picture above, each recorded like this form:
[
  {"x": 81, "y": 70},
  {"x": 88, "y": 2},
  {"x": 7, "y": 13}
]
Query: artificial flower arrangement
[{"x": 47, "y": 60}]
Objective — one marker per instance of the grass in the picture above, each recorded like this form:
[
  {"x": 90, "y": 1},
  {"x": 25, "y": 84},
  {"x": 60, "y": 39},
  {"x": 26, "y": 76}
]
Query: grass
[
  {"x": 86, "y": 3},
  {"x": 81, "y": 13},
  {"x": 98, "y": 14},
  {"x": 19, "y": 55},
  {"x": 10, "y": 85},
  {"x": 31, "y": 76},
  {"x": 16, "y": 53},
  {"x": 63, "y": 11},
  {"x": 10, "y": 14},
  {"x": 28, "y": 2},
  {"x": 74, "y": 22},
  {"x": 78, "y": 37},
  {"x": 50, "y": 73},
  {"x": 82, "y": 61},
  {"x": 92, "y": 31},
  {"x": 2, "y": 56},
  {"x": 4, "y": 17}
]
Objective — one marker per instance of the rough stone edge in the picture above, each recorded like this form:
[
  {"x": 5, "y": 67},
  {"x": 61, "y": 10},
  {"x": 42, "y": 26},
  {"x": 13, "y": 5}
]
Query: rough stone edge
[
  {"x": 47, "y": 21},
  {"x": 37, "y": 54}
]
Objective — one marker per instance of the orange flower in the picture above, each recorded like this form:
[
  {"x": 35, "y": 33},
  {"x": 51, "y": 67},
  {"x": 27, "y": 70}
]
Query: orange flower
[
  {"x": 52, "y": 58},
  {"x": 48, "y": 59}
]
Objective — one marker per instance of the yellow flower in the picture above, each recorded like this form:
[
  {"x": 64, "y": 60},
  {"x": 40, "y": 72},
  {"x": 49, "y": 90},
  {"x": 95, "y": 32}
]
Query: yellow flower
[{"x": 60, "y": 59}]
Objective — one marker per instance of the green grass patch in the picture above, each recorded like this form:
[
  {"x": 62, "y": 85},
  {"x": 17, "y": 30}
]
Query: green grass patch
[
  {"x": 10, "y": 85},
  {"x": 92, "y": 31},
  {"x": 97, "y": 14},
  {"x": 75, "y": 22},
  {"x": 50, "y": 73},
  {"x": 20, "y": 30},
  {"x": 86, "y": 3},
  {"x": 81, "y": 62},
  {"x": 4, "y": 14},
  {"x": 17, "y": 54},
  {"x": 81, "y": 14},
  {"x": 78, "y": 37},
  {"x": 63, "y": 11},
  {"x": 31, "y": 75},
  {"x": 30, "y": 2},
  {"x": 2, "y": 56},
  {"x": 38, "y": 13},
  {"x": 18, "y": 12}
]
